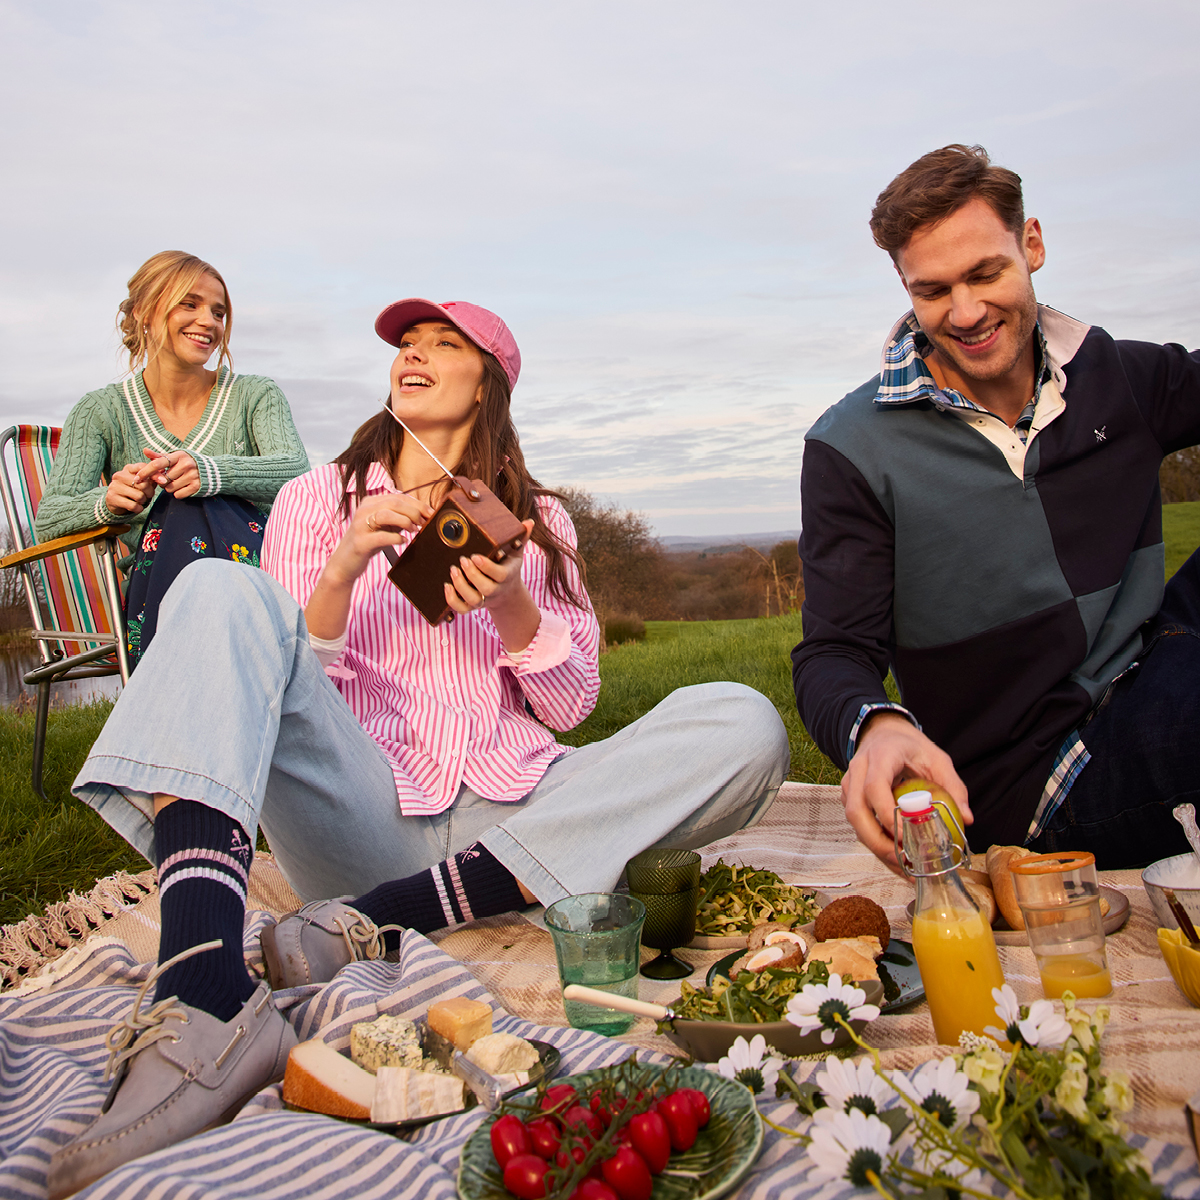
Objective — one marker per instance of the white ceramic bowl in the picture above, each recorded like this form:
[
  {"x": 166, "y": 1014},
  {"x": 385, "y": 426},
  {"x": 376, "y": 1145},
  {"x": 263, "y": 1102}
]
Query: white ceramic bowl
[{"x": 1181, "y": 873}]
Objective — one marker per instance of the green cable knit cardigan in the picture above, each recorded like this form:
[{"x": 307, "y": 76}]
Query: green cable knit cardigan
[{"x": 244, "y": 444}]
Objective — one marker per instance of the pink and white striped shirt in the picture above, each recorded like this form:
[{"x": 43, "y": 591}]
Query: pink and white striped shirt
[{"x": 447, "y": 703}]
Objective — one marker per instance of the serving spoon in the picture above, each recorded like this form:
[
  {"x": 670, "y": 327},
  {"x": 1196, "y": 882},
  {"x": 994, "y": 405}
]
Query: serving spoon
[{"x": 1185, "y": 814}]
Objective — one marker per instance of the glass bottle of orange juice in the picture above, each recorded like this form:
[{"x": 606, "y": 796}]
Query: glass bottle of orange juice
[{"x": 951, "y": 938}]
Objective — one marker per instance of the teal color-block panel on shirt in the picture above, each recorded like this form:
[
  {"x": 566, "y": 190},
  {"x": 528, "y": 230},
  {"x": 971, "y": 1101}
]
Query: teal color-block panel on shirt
[
  {"x": 1109, "y": 614},
  {"x": 973, "y": 550}
]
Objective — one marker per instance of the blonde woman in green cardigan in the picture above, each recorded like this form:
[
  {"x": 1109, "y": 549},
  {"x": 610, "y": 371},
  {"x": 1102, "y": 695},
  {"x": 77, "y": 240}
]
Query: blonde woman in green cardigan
[{"x": 193, "y": 457}]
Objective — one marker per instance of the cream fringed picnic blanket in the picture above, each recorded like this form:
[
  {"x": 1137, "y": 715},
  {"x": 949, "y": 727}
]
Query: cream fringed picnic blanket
[{"x": 52, "y": 1027}]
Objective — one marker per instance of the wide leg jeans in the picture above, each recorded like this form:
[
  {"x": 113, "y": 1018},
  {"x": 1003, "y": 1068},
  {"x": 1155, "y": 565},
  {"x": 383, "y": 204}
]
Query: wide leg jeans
[{"x": 231, "y": 708}]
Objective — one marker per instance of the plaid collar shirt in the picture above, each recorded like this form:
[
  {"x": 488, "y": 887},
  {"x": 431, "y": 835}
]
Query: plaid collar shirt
[{"x": 904, "y": 378}]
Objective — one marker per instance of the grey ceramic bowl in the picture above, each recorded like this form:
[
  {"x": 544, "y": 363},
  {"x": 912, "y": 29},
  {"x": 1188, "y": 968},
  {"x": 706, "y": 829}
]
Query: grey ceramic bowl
[
  {"x": 707, "y": 1041},
  {"x": 1181, "y": 873}
]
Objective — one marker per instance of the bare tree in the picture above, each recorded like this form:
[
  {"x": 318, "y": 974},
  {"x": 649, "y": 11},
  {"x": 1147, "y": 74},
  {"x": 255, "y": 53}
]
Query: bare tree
[
  {"x": 1179, "y": 476},
  {"x": 627, "y": 572}
]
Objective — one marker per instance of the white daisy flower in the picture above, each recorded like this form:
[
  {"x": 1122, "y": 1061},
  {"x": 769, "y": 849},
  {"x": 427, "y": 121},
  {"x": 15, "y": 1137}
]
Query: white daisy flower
[
  {"x": 1041, "y": 1026},
  {"x": 1044, "y": 1028},
  {"x": 942, "y": 1090},
  {"x": 847, "y": 1146},
  {"x": 816, "y": 1004},
  {"x": 749, "y": 1063},
  {"x": 848, "y": 1085},
  {"x": 1008, "y": 1009}
]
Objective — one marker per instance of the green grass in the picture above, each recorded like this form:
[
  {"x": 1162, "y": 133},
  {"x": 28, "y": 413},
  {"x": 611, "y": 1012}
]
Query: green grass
[
  {"x": 53, "y": 847},
  {"x": 57, "y": 845},
  {"x": 678, "y": 653},
  {"x": 1181, "y": 532}
]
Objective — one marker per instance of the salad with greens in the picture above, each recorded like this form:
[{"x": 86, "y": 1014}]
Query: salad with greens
[
  {"x": 735, "y": 898},
  {"x": 749, "y": 997}
]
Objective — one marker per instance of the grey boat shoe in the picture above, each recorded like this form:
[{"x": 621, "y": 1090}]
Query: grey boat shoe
[
  {"x": 313, "y": 944},
  {"x": 176, "y": 1071}
]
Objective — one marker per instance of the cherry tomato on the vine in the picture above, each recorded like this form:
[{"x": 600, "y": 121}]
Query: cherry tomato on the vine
[
  {"x": 543, "y": 1136},
  {"x": 700, "y": 1105},
  {"x": 596, "y": 1104},
  {"x": 525, "y": 1176},
  {"x": 626, "y": 1172},
  {"x": 582, "y": 1120},
  {"x": 680, "y": 1117},
  {"x": 565, "y": 1160},
  {"x": 509, "y": 1138},
  {"x": 594, "y": 1189},
  {"x": 559, "y": 1098},
  {"x": 650, "y": 1138}
]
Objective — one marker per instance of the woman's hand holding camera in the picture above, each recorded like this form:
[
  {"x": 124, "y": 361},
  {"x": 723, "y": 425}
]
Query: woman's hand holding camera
[
  {"x": 377, "y": 522},
  {"x": 479, "y": 582}
]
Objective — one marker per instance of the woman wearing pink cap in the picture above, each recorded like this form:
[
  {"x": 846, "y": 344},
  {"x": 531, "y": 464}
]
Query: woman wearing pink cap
[{"x": 407, "y": 767}]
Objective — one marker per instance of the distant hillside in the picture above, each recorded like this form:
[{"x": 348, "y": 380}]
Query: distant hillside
[{"x": 724, "y": 542}]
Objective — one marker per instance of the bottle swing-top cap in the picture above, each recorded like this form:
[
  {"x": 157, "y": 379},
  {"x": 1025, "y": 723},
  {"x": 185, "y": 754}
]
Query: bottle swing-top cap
[{"x": 912, "y": 803}]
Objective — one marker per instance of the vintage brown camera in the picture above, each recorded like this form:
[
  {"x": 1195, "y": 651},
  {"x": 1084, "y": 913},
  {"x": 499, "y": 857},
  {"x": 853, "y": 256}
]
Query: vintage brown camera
[{"x": 470, "y": 520}]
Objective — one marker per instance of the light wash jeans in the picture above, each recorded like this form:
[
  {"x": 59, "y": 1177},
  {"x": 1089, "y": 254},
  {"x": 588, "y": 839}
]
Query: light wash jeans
[{"x": 230, "y": 707}]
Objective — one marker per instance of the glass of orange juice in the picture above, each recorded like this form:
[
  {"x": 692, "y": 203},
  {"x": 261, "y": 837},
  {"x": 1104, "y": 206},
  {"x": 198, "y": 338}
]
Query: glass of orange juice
[{"x": 1060, "y": 900}]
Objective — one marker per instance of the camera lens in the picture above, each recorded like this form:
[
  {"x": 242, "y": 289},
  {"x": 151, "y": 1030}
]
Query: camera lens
[{"x": 452, "y": 529}]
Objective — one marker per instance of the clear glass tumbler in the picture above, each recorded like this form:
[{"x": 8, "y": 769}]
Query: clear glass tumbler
[
  {"x": 598, "y": 941},
  {"x": 1060, "y": 899}
]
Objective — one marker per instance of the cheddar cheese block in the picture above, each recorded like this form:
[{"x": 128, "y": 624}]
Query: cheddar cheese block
[
  {"x": 319, "y": 1079},
  {"x": 461, "y": 1021}
]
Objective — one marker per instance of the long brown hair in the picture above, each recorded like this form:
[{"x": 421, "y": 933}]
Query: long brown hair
[
  {"x": 493, "y": 454},
  {"x": 155, "y": 288}
]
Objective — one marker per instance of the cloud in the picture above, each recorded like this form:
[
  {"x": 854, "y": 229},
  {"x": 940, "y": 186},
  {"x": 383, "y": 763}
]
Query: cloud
[{"x": 666, "y": 202}]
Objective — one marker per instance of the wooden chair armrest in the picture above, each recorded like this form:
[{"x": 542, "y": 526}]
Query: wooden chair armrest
[{"x": 73, "y": 541}]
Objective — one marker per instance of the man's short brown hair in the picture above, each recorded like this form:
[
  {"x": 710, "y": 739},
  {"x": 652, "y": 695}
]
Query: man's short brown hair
[{"x": 938, "y": 184}]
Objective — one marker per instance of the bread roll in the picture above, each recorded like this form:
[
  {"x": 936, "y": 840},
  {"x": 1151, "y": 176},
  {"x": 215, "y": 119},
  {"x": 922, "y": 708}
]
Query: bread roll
[
  {"x": 982, "y": 894},
  {"x": 851, "y": 958},
  {"x": 999, "y": 860}
]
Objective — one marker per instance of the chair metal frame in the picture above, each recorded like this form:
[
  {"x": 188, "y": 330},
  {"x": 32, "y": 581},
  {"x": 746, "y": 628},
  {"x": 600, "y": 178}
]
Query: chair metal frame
[{"x": 108, "y": 654}]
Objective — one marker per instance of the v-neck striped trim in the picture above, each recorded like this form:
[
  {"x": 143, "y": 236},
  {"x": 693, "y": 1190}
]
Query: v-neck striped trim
[{"x": 150, "y": 426}]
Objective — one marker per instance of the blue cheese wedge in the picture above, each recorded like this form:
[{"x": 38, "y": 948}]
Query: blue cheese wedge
[
  {"x": 402, "y": 1094},
  {"x": 385, "y": 1042}
]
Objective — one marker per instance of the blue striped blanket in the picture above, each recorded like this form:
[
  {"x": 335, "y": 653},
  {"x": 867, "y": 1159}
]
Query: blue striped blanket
[{"x": 52, "y": 1060}]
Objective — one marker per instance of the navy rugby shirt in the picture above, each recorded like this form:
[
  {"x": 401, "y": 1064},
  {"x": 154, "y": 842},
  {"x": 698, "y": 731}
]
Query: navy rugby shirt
[{"x": 905, "y": 378}]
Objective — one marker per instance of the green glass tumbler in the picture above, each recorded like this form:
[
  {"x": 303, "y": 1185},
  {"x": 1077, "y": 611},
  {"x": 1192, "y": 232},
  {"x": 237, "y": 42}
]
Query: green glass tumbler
[{"x": 667, "y": 882}]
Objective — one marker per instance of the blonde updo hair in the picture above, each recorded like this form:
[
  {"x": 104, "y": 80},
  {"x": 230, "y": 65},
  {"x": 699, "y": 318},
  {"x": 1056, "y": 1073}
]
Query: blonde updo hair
[{"x": 156, "y": 287}]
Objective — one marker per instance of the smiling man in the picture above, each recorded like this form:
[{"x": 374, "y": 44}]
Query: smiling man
[{"x": 983, "y": 519}]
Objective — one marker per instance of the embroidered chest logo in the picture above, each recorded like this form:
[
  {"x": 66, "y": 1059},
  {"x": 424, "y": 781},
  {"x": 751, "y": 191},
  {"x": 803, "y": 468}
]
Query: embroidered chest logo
[
  {"x": 239, "y": 447},
  {"x": 1101, "y": 435}
]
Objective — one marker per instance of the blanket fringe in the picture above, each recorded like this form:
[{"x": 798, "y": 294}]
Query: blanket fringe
[{"x": 29, "y": 944}]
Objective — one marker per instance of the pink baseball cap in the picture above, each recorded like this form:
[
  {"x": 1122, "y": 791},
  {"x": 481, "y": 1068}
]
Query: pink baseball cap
[{"x": 484, "y": 328}]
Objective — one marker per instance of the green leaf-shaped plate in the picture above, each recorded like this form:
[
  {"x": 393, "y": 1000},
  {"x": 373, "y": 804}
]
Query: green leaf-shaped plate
[{"x": 723, "y": 1154}]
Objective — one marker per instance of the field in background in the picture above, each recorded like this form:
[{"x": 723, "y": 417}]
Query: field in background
[
  {"x": 54, "y": 846},
  {"x": 1181, "y": 533}
]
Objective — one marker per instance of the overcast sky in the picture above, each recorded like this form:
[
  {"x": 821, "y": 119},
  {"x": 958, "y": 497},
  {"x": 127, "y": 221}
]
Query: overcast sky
[{"x": 667, "y": 202}]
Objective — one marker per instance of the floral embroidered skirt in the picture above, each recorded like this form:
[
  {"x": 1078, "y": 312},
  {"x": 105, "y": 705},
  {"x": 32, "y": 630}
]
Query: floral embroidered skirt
[{"x": 176, "y": 533}]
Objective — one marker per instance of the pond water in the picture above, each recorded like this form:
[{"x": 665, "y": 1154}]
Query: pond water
[{"x": 14, "y": 664}]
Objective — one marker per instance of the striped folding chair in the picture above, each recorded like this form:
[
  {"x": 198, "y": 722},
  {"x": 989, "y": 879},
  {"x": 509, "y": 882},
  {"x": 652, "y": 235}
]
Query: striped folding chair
[{"x": 70, "y": 582}]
